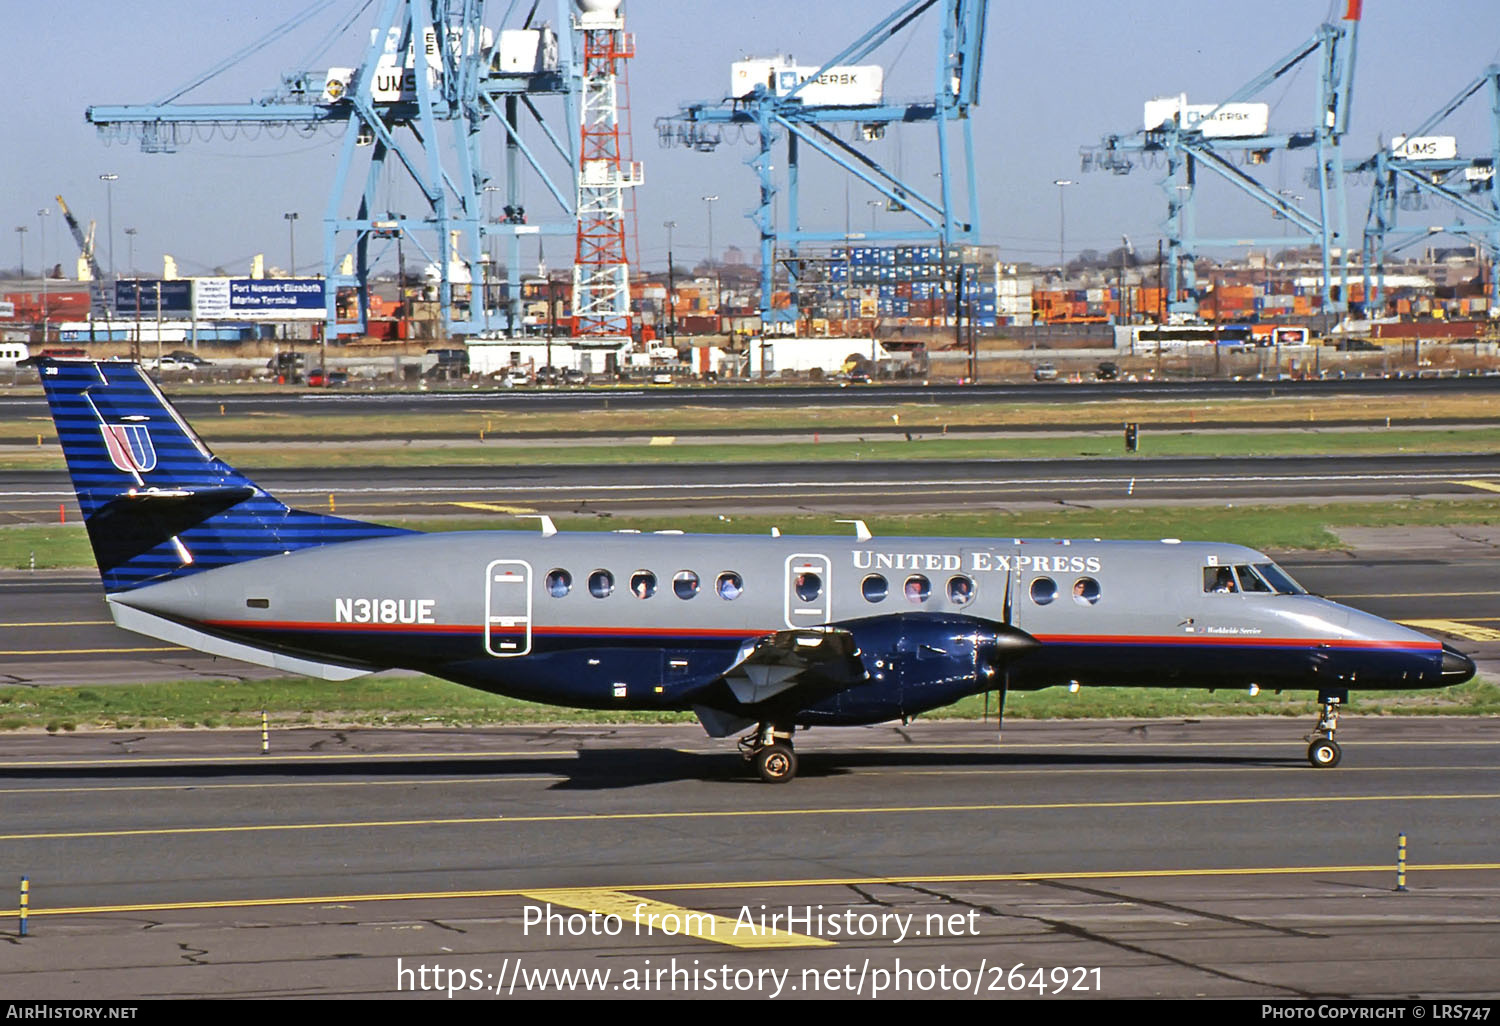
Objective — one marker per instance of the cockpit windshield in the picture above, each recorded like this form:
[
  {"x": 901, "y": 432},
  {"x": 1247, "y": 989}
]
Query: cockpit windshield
[
  {"x": 1250, "y": 579},
  {"x": 1279, "y": 579}
]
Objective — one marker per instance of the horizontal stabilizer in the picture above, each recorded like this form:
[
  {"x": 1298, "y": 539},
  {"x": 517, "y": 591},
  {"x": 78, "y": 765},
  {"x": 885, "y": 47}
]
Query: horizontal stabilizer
[{"x": 136, "y": 522}]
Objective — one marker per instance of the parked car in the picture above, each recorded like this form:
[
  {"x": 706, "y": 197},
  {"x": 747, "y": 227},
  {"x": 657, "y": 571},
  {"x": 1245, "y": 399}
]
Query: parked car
[
  {"x": 1045, "y": 372},
  {"x": 190, "y": 358},
  {"x": 1107, "y": 371},
  {"x": 574, "y": 376}
]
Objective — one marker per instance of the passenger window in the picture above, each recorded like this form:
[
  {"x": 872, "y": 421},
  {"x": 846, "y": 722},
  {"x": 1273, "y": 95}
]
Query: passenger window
[
  {"x": 1219, "y": 579},
  {"x": 874, "y": 588},
  {"x": 1250, "y": 581},
  {"x": 1043, "y": 591},
  {"x": 960, "y": 591},
  {"x": 685, "y": 584},
  {"x": 731, "y": 586},
  {"x": 918, "y": 589},
  {"x": 808, "y": 586},
  {"x": 643, "y": 584},
  {"x": 559, "y": 583},
  {"x": 601, "y": 583},
  {"x": 1086, "y": 591}
]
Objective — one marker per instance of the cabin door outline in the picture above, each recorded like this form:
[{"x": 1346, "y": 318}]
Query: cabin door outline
[{"x": 507, "y": 606}]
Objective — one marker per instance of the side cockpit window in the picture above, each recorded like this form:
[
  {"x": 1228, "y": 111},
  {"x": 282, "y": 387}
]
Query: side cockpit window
[{"x": 1219, "y": 580}]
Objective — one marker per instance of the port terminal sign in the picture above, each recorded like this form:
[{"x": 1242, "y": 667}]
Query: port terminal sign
[
  {"x": 138, "y": 294},
  {"x": 266, "y": 299}
]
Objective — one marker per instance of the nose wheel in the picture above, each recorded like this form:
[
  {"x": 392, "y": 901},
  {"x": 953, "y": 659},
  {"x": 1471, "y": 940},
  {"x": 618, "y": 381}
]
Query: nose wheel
[
  {"x": 1324, "y": 752},
  {"x": 770, "y": 750}
]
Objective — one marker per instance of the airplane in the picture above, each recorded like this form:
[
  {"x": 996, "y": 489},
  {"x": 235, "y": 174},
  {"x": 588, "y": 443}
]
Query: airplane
[{"x": 765, "y": 634}]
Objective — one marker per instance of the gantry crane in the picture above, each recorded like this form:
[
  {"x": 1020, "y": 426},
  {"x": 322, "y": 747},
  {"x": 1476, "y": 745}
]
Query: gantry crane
[
  {"x": 1429, "y": 166},
  {"x": 98, "y": 307},
  {"x": 430, "y": 68},
  {"x": 1207, "y": 138},
  {"x": 786, "y": 108}
]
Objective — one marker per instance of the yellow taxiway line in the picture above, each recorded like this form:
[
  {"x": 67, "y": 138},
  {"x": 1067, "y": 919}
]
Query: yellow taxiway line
[
  {"x": 741, "y": 885},
  {"x": 1471, "y": 631},
  {"x": 703, "y": 814},
  {"x": 1488, "y": 486}
]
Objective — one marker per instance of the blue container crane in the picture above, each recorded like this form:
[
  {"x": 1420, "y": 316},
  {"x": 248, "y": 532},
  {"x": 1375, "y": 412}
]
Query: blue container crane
[
  {"x": 784, "y": 112},
  {"x": 1188, "y": 145},
  {"x": 431, "y": 69},
  {"x": 1405, "y": 176}
]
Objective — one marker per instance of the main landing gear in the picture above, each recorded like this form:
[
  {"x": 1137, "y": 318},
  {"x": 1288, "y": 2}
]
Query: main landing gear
[
  {"x": 1324, "y": 752},
  {"x": 770, "y": 749}
]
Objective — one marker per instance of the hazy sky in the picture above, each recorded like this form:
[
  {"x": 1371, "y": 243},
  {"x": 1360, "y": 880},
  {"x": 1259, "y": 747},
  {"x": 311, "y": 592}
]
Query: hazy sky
[{"x": 1058, "y": 75}]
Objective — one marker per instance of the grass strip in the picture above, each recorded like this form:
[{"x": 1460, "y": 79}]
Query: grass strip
[
  {"x": 380, "y": 701},
  {"x": 29, "y": 546},
  {"x": 1369, "y": 442}
]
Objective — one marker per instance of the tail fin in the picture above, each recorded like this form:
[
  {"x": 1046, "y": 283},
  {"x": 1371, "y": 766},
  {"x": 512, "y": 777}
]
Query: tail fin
[{"x": 156, "y": 502}]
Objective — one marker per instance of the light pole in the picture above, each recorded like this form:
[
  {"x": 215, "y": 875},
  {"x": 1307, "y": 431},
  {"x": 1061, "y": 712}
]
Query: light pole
[
  {"x": 130, "y": 252},
  {"x": 291, "y": 231},
  {"x": 109, "y": 201},
  {"x": 41, "y": 225},
  {"x": 713, "y": 262},
  {"x": 671, "y": 286},
  {"x": 21, "y": 238},
  {"x": 709, "y": 202},
  {"x": 1062, "y": 225}
]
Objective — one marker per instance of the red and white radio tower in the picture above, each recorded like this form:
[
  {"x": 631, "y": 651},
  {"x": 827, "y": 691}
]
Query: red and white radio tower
[{"x": 601, "y": 272}]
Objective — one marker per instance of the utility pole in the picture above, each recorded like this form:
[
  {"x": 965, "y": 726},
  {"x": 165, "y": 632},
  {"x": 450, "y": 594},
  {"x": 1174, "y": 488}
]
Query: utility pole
[
  {"x": 21, "y": 238},
  {"x": 671, "y": 286}
]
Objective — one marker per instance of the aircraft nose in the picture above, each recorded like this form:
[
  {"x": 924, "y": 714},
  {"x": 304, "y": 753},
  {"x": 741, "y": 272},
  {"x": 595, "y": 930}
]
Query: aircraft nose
[{"x": 1457, "y": 667}]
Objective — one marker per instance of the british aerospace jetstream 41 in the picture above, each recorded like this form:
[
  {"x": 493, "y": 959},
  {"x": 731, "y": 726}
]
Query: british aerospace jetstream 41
[{"x": 757, "y": 634}]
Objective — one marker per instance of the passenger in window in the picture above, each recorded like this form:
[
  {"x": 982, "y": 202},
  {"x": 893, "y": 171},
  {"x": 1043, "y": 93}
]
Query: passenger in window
[
  {"x": 1224, "y": 582},
  {"x": 808, "y": 586},
  {"x": 960, "y": 591},
  {"x": 643, "y": 585},
  {"x": 730, "y": 587},
  {"x": 559, "y": 582},
  {"x": 917, "y": 589},
  {"x": 1086, "y": 591}
]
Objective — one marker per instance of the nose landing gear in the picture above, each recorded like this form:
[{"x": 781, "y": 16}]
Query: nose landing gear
[
  {"x": 770, "y": 749},
  {"x": 1324, "y": 752}
]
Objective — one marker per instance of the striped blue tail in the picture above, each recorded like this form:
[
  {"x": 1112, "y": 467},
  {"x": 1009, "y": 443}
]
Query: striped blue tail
[{"x": 156, "y": 502}]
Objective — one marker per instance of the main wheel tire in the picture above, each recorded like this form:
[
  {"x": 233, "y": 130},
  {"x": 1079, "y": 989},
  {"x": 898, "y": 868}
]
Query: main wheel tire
[
  {"x": 776, "y": 763},
  {"x": 1324, "y": 753}
]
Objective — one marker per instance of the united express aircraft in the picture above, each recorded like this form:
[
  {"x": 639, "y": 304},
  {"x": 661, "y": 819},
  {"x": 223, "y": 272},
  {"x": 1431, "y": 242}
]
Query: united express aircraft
[{"x": 760, "y": 635}]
